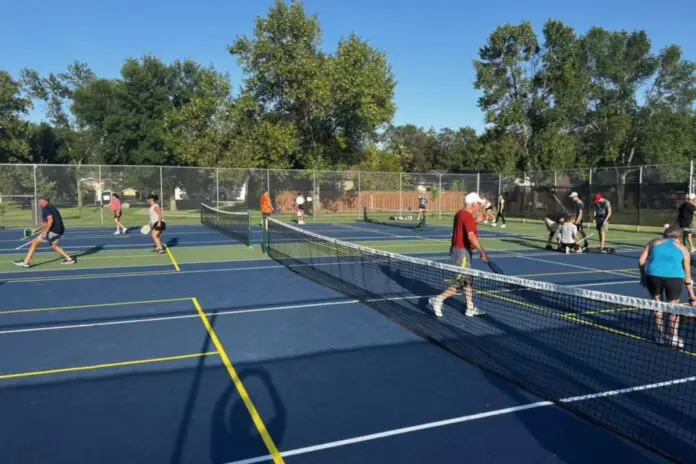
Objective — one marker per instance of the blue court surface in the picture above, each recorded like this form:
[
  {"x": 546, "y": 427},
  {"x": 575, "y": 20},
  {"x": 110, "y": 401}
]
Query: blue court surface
[{"x": 216, "y": 354}]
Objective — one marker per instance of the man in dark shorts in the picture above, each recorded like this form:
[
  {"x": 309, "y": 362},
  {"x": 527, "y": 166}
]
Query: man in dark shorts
[
  {"x": 686, "y": 217},
  {"x": 422, "y": 207},
  {"x": 602, "y": 209},
  {"x": 464, "y": 240},
  {"x": 578, "y": 213},
  {"x": 52, "y": 229}
]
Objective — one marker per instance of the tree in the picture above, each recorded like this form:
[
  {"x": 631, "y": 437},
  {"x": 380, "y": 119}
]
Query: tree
[
  {"x": 318, "y": 110},
  {"x": 506, "y": 74},
  {"x": 14, "y": 105}
]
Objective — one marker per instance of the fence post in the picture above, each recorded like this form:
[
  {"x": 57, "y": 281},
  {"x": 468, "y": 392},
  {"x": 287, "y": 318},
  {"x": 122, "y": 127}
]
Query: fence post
[
  {"x": 555, "y": 180},
  {"x": 36, "y": 199},
  {"x": 401, "y": 209},
  {"x": 640, "y": 183},
  {"x": 691, "y": 176},
  {"x": 359, "y": 193},
  {"x": 217, "y": 188},
  {"x": 101, "y": 196},
  {"x": 478, "y": 183},
  {"x": 524, "y": 197},
  {"x": 268, "y": 180},
  {"x": 161, "y": 189},
  {"x": 439, "y": 197},
  {"x": 314, "y": 193}
]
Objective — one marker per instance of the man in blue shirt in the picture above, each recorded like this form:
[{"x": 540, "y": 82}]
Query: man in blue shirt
[
  {"x": 602, "y": 209},
  {"x": 52, "y": 229}
]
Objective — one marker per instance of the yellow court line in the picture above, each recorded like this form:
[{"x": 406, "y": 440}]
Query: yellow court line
[
  {"x": 136, "y": 362},
  {"x": 100, "y": 305},
  {"x": 171, "y": 257},
  {"x": 258, "y": 422}
]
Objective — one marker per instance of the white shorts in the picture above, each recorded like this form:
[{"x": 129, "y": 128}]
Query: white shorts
[{"x": 52, "y": 239}]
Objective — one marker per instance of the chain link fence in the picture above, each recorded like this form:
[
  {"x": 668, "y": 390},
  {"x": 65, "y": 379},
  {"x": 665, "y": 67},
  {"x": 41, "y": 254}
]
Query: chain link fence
[{"x": 640, "y": 195}]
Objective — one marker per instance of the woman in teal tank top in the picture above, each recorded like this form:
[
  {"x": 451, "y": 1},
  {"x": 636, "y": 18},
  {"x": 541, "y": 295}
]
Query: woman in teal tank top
[{"x": 665, "y": 266}]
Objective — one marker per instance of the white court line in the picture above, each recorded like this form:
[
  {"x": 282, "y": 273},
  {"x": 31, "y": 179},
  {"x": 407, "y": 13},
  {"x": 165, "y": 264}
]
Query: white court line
[
  {"x": 236, "y": 312},
  {"x": 576, "y": 266},
  {"x": 461, "y": 419},
  {"x": 363, "y": 229}
]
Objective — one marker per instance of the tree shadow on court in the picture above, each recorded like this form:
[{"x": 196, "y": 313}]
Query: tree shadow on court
[{"x": 90, "y": 251}]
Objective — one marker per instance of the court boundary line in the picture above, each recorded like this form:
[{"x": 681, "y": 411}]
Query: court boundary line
[
  {"x": 468, "y": 418},
  {"x": 93, "y": 367},
  {"x": 171, "y": 258},
  {"x": 235, "y": 312},
  {"x": 241, "y": 390},
  {"x": 93, "y": 305}
]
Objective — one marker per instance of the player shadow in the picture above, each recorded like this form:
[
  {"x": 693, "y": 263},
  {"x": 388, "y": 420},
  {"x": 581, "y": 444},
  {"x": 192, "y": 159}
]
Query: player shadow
[
  {"x": 233, "y": 431},
  {"x": 89, "y": 251},
  {"x": 172, "y": 242}
]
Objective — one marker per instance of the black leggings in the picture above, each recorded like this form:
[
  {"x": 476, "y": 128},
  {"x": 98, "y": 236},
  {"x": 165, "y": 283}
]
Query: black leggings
[{"x": 500, "y": 216}]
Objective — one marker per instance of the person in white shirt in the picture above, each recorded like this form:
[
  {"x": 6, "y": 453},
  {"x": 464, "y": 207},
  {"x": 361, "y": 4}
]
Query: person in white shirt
[
  {"x": 569, "y": 236},
  {"x": 300, "y": 205},
  {"x": 501, "y": 212},
  {"x": 488, "y": 211},
  {"x": 157, "y": 224}
]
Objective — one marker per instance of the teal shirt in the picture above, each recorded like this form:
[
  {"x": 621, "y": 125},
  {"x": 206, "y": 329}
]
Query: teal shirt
[{"x": 665, "y": 260}]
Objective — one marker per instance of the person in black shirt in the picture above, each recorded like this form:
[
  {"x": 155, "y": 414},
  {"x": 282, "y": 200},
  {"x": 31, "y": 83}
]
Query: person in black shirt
[
  {"x": 52, "y": 229},
  {"x": 686, "y": 216},
  {"x": 422, "y": 206},
  {"x": 577, "y": 219}
]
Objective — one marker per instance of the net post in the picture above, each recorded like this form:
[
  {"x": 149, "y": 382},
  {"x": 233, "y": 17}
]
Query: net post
[
  {"x": 217, "y": 188},
  {"x": 638, "y": 195},
  {"x": 101, "y": 196},
  {"x": 36, "y": 199}
]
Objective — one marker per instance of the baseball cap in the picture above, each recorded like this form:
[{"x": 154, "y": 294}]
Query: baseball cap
[
  {"x": 691, "y": 196},
  {"x": 472, "y": 198},
  {"x": 573, "y": 195},
  {"x": 597, "y": 197}
]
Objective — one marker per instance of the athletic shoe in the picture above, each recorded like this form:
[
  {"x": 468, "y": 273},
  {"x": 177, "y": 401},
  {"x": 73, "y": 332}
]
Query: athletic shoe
[
  {"x": 494, "y": 224},
  {"x": 69, "y": 261},
  {"x": 124, "y": 231},
  {"x": 474, "y": 312},
  {"x": 118, "y": 232},
  {"x": 675, "y": 341},
  {"x": 435, "y": 305},
  {"x": 22, "y": 263},
  {"x": 160, "y": 251},
  {"x": 604, "y": 250},
  {"x": 503, "y": 226}
]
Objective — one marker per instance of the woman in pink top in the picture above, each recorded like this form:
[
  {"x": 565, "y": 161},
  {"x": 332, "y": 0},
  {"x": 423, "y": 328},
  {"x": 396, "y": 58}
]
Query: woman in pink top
[{"x": 116, "y": 208}]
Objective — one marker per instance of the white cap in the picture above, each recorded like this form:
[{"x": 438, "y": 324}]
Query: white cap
[
  {"x": 472, "y": 198},
  {"x": 573, "y": 195},
  {"x": 691, "y": 196}
]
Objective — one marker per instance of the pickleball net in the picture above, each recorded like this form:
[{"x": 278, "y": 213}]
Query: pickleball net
[
  {"x": 234, "y": 224},
  {"x": 394, "y": 218},
  {"x": 597, "y": 354}
]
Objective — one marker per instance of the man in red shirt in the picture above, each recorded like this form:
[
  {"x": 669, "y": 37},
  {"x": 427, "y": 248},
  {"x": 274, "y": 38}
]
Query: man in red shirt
[{"x": 464, "y": 240}]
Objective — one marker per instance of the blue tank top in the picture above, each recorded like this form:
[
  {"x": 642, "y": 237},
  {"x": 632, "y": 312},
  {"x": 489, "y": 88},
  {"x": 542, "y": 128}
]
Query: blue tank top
[{"x": 666, "y": 260}]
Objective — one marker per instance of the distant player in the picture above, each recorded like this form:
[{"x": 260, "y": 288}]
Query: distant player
[
  {"x": 300, "y": 206},
  {"x": 157, "y": 224},
  {"x": 578, "y": 215},
  {"x": 501, "y": 212},
  {"x": 488, "y": 211},
  {"x": 115, "y": 206},
  {"x": 422, "y": 207},
  {"x": 266, "y": 208},
  {"x": 602, "y": 210},
  {"x": 464, "y": 240},
  {"x": 553, "y": 225},
  {"x": 686, "y": 217},
  {"x": 569, "y": 236},
  {"x": 52, "y": 231}
]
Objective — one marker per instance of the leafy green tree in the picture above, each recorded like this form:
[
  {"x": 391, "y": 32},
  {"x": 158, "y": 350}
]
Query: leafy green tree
[{"x": 14, "y": 105}]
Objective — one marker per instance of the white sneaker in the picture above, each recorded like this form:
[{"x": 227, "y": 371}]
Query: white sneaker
[
  {"x": 676, "y": 342},
  {"x": 475, "y": 312},
  {"x": 118, "y": 232},
  {"x": 503, "y": 226},
  {"x": 494, "y": 224},
  {"x": 435, "y": 305},
  {"x": 124, "y": 231}
]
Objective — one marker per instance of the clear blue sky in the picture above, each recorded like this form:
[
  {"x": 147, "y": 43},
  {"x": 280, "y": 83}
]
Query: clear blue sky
[{"x": 430, "y": 44}]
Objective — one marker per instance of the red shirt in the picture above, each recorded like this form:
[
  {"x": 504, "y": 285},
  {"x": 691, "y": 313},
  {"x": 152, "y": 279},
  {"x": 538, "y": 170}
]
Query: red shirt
[
  {"x": 115, "y": 204},
  {"x": 464, "y": 223}
]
